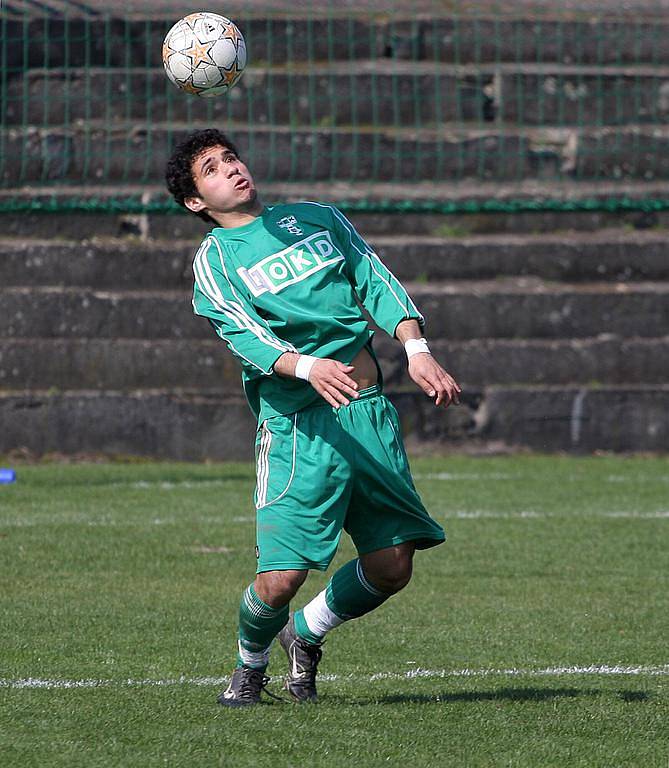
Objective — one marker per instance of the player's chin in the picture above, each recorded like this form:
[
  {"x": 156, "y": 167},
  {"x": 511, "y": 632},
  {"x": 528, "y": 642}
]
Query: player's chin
[{"x": 248, "y": 194}]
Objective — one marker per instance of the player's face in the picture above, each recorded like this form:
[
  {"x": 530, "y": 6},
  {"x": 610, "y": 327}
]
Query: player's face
[{"x": 223, "y": 182}]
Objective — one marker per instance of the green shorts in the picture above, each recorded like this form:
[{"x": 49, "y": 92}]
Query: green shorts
[{"x": 323, "y": 469}]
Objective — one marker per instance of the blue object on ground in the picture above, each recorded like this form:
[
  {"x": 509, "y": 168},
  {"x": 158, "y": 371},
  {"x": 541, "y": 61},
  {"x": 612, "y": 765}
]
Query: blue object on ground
[{"x": 7, "y": 476}]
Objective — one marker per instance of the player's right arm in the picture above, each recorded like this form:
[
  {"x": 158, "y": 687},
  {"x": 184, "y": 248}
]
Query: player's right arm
[
  {"x": 330, "y": 378},
  {"x": 233, "y": 317},
  {"x": 248, "y": 335}
]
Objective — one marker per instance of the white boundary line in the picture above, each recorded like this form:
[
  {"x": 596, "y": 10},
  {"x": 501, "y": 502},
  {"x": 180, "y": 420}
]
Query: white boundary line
[
  {"x": 449, "y": 514},
  {"x": 529, "y": 514},
  {"x": 418, "y": 672}
]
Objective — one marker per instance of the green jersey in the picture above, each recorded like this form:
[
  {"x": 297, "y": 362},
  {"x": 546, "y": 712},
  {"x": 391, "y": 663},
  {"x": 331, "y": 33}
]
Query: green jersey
[{"x": 293, "y": 280}]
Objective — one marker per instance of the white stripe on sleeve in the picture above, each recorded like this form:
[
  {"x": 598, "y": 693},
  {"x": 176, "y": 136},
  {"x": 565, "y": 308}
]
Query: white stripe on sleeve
[{"x": 369, "y": 253}]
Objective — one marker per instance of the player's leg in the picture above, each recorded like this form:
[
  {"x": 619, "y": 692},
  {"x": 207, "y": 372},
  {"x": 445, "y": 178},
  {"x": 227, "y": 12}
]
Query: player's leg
[
  {"x": 301, "y": 503},
  {"x": 349, "y": 594},
  {"x": 386, "y": 520},
  {"x": 358, "y": 587},
  {"x": 389, "y": 569},
  {"x": 263, "y": 612},
  {"x": 386, "y": 509}
]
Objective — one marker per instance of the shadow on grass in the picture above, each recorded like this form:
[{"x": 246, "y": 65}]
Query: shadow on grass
[
  {"x": 503, "y": 694},
  {"x": 631, "y": 696}
]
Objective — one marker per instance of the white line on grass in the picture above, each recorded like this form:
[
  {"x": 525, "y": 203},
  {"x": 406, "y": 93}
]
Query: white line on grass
[
  {"x": 636, "y": 479},
  {"x": 554, "y": 671},
  {"x": 524, "y": 514},
  {"x": 171, "y": 485},
  {"x": 593, "y": 669},
  {"x": 485, "y": 476},
  {"x": 465, "y": 476},
  {"x": 641, "y": 515},
  {"x": 475, "y": 514},
  {"x": 110, "y": 522},
  {"x": 451, "y": 514}
]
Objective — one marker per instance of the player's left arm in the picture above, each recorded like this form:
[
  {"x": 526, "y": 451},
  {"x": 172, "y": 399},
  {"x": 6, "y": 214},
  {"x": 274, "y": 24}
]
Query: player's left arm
[
  {"x": 424, "y": 369},
  {"x": 392, "y": 309},
  {"x": 379, "y": 291}
]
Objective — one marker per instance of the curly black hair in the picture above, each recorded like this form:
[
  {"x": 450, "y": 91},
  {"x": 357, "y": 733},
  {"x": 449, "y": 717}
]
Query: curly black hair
[{"x": 179, "y": 169}]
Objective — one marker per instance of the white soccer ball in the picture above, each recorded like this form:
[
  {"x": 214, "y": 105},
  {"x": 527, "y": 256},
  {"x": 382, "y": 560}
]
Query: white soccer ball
[{"x": 204, "y": 54}]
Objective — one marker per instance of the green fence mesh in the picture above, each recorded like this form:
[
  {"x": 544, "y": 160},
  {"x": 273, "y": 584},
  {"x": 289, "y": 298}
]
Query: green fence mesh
[{"x": 458, "y": 94}]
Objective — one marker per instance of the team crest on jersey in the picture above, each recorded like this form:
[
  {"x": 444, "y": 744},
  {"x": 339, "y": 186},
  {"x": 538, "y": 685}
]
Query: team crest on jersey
[
  {"x": 304, "y": 258},
  {"x": 290, "y": 223}
]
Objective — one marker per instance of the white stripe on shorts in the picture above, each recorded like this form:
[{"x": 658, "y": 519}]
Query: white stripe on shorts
[{"x": 263, "y": 466}]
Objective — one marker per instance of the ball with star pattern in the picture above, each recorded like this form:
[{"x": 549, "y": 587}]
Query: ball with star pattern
[{"x": 204, "y": 54}]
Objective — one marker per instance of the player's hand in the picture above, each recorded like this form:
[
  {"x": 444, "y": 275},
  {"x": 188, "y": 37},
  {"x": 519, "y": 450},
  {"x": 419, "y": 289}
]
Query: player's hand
[
  {"x": 433, "y": 379},
  {"x": 332, "y": 381}
]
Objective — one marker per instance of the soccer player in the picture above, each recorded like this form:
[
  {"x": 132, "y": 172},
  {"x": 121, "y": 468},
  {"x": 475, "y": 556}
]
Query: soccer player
[{"x": 282, "y": 286}]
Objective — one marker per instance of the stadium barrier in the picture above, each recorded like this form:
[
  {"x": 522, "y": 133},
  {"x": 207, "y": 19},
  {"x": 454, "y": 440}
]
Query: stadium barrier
[{"x": 394, "y": 93}]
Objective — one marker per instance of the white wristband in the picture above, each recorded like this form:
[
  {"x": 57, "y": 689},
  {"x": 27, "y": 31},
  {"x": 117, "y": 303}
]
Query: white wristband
[
  {"x": 304, "y": 365},
  {"x": 415, "y": 347}
]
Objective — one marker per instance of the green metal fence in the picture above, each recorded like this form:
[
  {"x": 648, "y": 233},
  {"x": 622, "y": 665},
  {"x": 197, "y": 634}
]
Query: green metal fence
[{"x": 464, "y": 95}]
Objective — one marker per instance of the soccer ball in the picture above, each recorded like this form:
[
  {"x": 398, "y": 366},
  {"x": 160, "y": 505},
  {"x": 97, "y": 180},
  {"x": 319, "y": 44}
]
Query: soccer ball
[{"x": 204, "y": 54}]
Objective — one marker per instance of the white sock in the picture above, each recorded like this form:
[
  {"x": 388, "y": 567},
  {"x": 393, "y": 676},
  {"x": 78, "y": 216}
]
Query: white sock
[
  {"x": 318, "y": 616},
  {"x": 255, "y": 659}
]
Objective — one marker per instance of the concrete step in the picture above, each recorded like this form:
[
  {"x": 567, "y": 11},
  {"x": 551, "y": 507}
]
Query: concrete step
[
  {"x": 138, "y": 228},
  {"x": 160, "y": 423},
  {"x": 201, "y": 426},
  {"x": 528, "y": 308},
  {"x": 477, "y": 363},
  {"x": 354, "y": 33},
  {"x": 536, "y": 37},
  {"x": 102, "y": 211},
  {"x": 577, "y": 420},
  {"x": 512, "y": 308},
  {"x": 569, "y": 257},
  {"x": 128, "y": 364},
  {"x": 137, "y": 265},
  {"x": 542, "y": 418},
  {"x": 118, "y": 364},
  {"x": 137, "y": 153},
  {"x": 101, "y": 263},
  {"x": 353, "y": 93},
  {"x": 119, "y": 39},
  {"x": 345, "y": 93}
]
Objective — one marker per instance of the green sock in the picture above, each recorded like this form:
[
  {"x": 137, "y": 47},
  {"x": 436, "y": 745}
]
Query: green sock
[
  {"x": 259, "y": 624},
  {"x": 348, "y": 595}
]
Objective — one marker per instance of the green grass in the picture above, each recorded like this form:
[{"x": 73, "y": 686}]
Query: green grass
[{"x": 130, "y": 575}]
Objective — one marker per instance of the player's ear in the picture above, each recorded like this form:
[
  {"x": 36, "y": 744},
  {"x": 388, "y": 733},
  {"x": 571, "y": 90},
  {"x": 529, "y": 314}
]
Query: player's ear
[{"x": 194, "y": 204}]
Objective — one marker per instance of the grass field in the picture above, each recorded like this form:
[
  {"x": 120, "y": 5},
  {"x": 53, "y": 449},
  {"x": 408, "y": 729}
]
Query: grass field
[{"x": 538, "y": 635}]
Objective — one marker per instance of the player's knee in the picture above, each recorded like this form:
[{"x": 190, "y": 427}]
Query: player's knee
[
  {"x": 393, "y": 574},
  {"x": 397, "y": 579},
  {"x": 277, "y": 588}
]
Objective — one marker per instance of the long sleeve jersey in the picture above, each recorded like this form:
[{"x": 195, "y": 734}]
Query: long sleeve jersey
[{"x": 293, "y": 280}]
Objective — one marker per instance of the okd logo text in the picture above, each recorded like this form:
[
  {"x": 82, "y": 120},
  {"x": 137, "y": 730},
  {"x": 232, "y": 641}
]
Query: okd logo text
[{"x": 291, "y": 265}]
